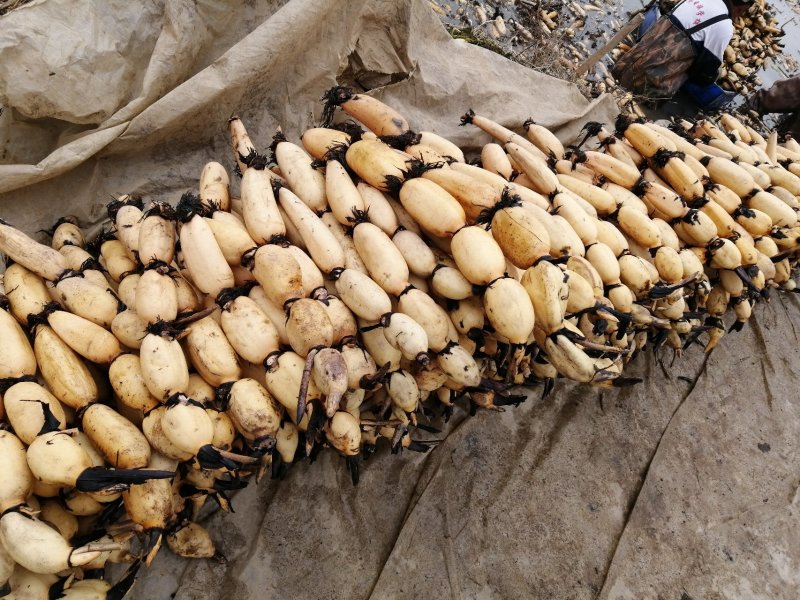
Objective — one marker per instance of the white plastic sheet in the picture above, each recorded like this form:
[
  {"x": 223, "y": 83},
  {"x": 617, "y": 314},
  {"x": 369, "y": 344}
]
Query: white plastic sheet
[{"x": 685, "y": 484}]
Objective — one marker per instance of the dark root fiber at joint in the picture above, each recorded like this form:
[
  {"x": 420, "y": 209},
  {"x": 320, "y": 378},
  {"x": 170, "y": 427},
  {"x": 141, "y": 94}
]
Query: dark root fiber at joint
[
  {"x": 93, "y": 246},
  {"x": 188, "y": 207},
  {"x": 593, "y": 128},
  {"x": 248, "y": 258},
  {"x": 163, "y": 329},
  {"x": 228, "y": 295},
  {"x": 160, "y": 209},
  {"x": 336, "y": 152},
  {"x": 508, "y": 199},
  {"x": 112, "y": 208},
  {"x": 640, "y": 187},
  {"x": 351, "y": 128},
  {"x": 416, "y": 168},
  {"x": 255, "y": 160},
  {"x": 622, "y": 123},
  {"x": 402, "y": 141},
  {"x": 662, "y": 157},
  {"x": 334, "y": 97}
]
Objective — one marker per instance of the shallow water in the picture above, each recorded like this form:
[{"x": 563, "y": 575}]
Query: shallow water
[{"x": 601, "y": 25}]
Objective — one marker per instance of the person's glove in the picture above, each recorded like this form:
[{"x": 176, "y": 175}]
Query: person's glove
[{"x": 751, "y": 103}]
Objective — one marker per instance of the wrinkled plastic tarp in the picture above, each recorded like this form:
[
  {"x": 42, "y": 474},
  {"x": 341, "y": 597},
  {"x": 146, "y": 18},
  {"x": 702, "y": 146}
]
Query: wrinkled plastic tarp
[
  {"x": 684, "y": 484},
  {"x": 119, "y": 97}
]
